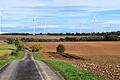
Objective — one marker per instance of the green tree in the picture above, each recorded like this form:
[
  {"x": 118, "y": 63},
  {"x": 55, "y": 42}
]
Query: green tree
[{"x": 60, "y": 49}]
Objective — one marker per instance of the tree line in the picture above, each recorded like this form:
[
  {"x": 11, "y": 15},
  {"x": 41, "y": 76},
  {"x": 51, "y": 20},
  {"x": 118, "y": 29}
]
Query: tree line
[
  {"x": 93, "y": 38},
  {"x": 74, "y": 34},
  {"x": 70, "y": 38}
]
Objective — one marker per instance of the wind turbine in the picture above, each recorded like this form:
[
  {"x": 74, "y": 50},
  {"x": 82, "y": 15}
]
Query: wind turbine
[
  {"x": 110, "y": 27},
  {"x": 1, "y": 20},
  {"x": 94, "y": 23},
  {"x": 34, "y": 27},
  {"x": 80, "y": 28},
  {"x": 45, "y": 25}
]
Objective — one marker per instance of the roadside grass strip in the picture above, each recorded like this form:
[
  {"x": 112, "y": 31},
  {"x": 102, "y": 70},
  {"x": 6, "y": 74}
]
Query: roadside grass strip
[
  {"x": 5, "y": 51},
  {"x": 37, "y": 56},
  {"x": 69, "y": 72},
  {"x": 6, "y": 59}
]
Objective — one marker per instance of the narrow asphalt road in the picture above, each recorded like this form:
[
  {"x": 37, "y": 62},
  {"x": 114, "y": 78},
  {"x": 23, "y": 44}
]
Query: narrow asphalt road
[{"x": 29, "y": 69}]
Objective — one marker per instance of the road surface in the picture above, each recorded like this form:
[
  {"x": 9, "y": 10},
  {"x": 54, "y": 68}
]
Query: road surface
[{"x": 29, "y": 69}]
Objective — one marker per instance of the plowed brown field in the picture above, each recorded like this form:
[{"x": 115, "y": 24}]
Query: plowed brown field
[
  {"x": 83, "y": 48},
  {"x": 101, "y": 58}
]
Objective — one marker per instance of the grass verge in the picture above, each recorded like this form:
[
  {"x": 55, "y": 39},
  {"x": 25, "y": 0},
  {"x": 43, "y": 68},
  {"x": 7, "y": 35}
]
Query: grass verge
[
  {"x": 6, "y": 49},
  {"x": 70, "y": 72},
  {"x": 6, "y": 59},
  {"x": 37, "y": 56}
]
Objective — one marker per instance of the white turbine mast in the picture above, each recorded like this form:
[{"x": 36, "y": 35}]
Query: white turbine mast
[
  {"x": 1, "y": 10},
  {"x": 45, "y": 27},
  {"x": 34, "y": 26},
  {"x": 110, "y": 27},
  {"x": 80, "y": 27},
  {"x": 94, "y": 23}
]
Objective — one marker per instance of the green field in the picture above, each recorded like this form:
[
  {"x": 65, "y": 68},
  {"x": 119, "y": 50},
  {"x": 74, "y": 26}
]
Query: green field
[
  {"x": 5, "y": 51},
  {"x": 7, "y": 59}
]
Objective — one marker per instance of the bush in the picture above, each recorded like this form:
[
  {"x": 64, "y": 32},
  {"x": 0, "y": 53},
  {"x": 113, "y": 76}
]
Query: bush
[
  {"x": 10, "y": 40},
  {"x": 17, "y": 42},
  {"x": 20, "y": 45},
  {"x": 60, "y": 49},
  {"x": 14, "y": 53},
  {"x": 35, "y": 48}
]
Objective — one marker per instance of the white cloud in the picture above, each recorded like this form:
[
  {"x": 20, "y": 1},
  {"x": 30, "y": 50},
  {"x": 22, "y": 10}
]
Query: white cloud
[{"x": 57, "y": 13}]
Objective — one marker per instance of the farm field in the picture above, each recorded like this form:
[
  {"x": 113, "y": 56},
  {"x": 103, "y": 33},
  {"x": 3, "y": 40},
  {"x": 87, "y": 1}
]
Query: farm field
[
  {"x": 102, "y": 58},
  {"x": 39, "y": 36},
  {"x": 82, "y": 48},
  {"x": 5, "y": 49},
  {"x": 31, "y": 36}
]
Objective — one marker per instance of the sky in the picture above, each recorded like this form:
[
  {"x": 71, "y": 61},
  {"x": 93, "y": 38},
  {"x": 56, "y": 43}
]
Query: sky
[{"x": 59, "y": 16}]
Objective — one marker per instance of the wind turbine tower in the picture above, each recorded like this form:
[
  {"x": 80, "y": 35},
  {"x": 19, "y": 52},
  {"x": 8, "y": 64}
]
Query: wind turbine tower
[
  {"x": 34, "y": 27},
  {"x": 45, "y": 27},
  {"x": 110, "y": 27},
  {"x": 94, "y": 24},
  {"x": 1, "y": 20},
  {"x": 80, "y": 28}
]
